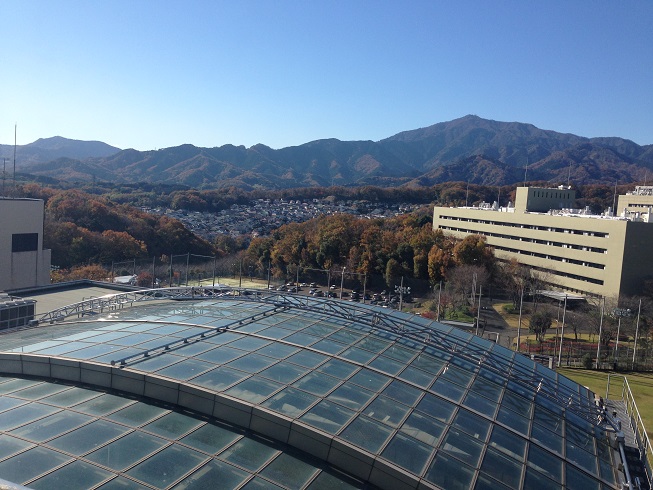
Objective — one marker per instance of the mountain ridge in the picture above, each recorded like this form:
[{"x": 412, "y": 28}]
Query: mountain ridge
[{"x": 469, "y": 148}]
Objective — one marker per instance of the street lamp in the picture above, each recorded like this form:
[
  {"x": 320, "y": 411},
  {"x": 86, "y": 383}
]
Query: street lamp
[{"x": 342, "y": 281}]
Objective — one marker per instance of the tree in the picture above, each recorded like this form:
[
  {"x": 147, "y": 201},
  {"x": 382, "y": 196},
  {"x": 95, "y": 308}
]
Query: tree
[
  {"x": 392, "y": 270},
  {"x": 539, "y": 323}
]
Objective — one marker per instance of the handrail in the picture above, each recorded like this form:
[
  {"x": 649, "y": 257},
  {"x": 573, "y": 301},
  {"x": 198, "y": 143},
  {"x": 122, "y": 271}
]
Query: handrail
[{"x": 637, "y": 424}]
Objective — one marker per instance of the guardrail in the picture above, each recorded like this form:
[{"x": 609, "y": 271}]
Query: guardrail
[{"x": 636, "y": 423}]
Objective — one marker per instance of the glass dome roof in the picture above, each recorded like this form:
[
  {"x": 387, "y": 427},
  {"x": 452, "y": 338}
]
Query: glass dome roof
[{"x": 391, "y": 399}]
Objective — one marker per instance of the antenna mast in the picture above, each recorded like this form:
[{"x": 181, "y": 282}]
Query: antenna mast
[{"x": 15, "y": 131}]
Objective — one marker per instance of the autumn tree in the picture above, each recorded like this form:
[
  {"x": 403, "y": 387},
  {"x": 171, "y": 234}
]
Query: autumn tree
[{"x": 539, "y": 323}]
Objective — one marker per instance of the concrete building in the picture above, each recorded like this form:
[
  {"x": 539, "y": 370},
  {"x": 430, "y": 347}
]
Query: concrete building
[
  {"x": 23, "y": 261},
  {"x": 598, "y": 255}
]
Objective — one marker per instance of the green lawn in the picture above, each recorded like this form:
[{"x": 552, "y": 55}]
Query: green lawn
[{"x": 641, "y": 385}]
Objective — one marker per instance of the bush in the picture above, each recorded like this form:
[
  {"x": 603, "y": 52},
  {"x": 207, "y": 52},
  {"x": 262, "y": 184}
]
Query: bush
[{"x": 587, "y": 361}]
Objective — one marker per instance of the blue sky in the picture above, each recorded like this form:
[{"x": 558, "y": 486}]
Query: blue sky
[{"x": 152, "y": 74}]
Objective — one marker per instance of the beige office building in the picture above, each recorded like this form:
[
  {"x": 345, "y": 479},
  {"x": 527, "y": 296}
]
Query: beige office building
[
  {"x": 23, "y": 261},
  {"x": 597, "y": 255}
]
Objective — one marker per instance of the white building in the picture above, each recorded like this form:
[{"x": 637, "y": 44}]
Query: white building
[{"x": 23, "y": 261}]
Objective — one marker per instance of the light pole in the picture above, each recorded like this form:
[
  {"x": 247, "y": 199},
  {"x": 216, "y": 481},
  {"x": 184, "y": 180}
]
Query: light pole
[
  {"x": 598, "y": 347},
  {"x": 619, "y": 313},
  {"x": 562, "y": 332},
  {"x": 437, "y": 318},
  {"x": 521, "y": 302},
  {"x": 342, "y": 281}
]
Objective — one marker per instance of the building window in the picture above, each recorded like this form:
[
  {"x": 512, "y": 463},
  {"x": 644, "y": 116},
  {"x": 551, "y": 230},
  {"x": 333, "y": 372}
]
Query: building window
[{"x": 24, "y": 242}]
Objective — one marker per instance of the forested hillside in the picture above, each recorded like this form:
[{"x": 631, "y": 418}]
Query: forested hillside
[{"x": 81, "y": 228}]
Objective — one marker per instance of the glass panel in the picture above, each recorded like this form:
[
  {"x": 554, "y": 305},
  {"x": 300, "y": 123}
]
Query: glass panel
[
  {"x": 547, "y": 438},
  {"x": 472, "y": 424},
  {"x": 428, "y": 363},
  {"x": 103, "y": 404},
  {"x": 402, "y": 392},
  {"x": 484, "y": 482},
  {"x": 151, "y": 364},
  {"x": 407, "y": 453},
  {"x": 307, "y": 358},
  {"x": 328, "y": 481},
  {"x": 480, "y": 404},
  {"x": 577, "y": 480},
  {"x": 508, "y": 442},
  {"x": 417, "y": 376},
  {"x": 436, "y": 407},
  {"x": 186, "y": 369},
  {"x": 39, "y": 391},
  {"x": 7, "y": 403},
  {"x": 301, "y": 338},
  {"x": 27, "y": 465},
  {"x": 423, "y": 428},
  {"x": 337, "y": 368},
  {"x": 486, "y": 388},
  {"x": 367, "y": 434},
  {"x": 172, "y": 425},
  {"x": 215, "y": 473},
  {"x": 219, "y": 378},
  {"x": 514, "y": 421},
  {"x": 249, "y": 344},
  {"x": 252, "y": 363},
  {"x": 450, "y": 390},
  {"x": 16, "y": 384},
  {"x": 278, "y": 351},
  {"x": 387, "y": 365},
  {"x": 289, "y": 471},
  {"x": 248, "y": 454},
  {"x": 387, "y": 411},
  {"x": 351, "y": 396},
  {"x": 88, "y": 437},
  {"x": 221, "y": 355},
  {"x": 70, "y": 397},
  {"x": 535, "y": 479},
  {"x": 357, "y": 355},
  {"x": 462, "y": 446},
  {"x": 317, "y": 383},
  {"x": 400, "y": 353},
  {"x": 283, "y": 372},
  {"x": 545, "y": 462},
  {"x": 254, "y": 389},
  {"x": 10, "y": 445},
  {"x": 449, "y": 473},
  {"x": 75, "y": 475},
  {"x": 503, "y": 468},
  {"x": 163, "y": 468},
  {"x": 51, "y": 426},
  {"x": 329, "y": 346},
  {"x": 582, "y": 458},
  {"x": 137, "y": 414},
  {"x": 210, "y": 438},
  {"x": 290, "y": 401},
  {"x": 327, "y": 416},
  {"x": 258, "y": 483},
  {"x": 127, "y": 450},
  {"x": 122, "y": 483},
  {"x": 369, "y": 379}
]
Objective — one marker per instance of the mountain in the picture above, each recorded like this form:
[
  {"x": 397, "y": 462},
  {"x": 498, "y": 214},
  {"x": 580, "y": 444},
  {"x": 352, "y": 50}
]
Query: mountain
[
  {"x": 45, "y": 150},
  {"x": 466, "y": 149}
]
